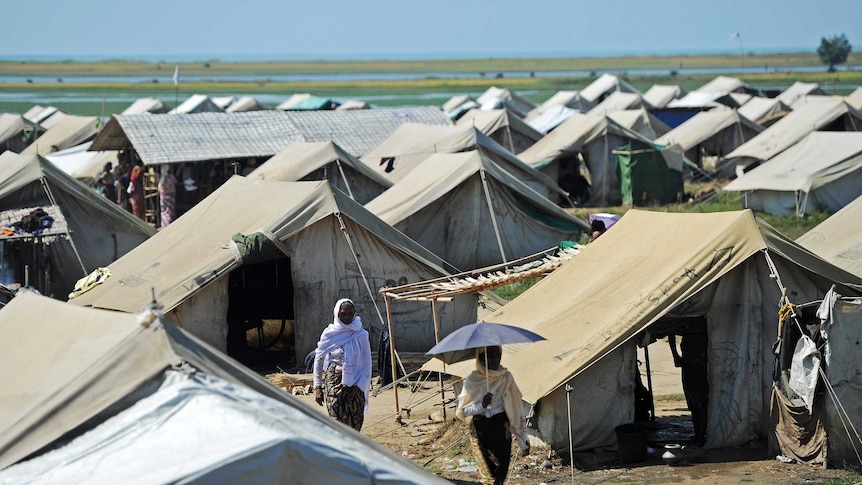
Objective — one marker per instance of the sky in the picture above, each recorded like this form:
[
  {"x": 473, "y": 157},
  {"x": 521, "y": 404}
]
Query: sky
[{"x": 187, "y": 30}]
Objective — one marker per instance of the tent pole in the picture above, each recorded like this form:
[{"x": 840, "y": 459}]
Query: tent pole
[
  {"x": 649, "y": 383},
  {"x": 392, "y": 354},
  {"x": 436, "y": 341},
  {"x": 493, "y": 217}
]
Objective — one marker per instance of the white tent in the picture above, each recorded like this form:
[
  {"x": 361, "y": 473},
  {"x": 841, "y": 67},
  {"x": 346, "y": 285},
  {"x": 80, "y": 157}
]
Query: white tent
[
  {"x": 255, "y": 251},
  {"x": 88, "y": 231},
  {"x": 118, "y": 398},
  {"x": 504, "y": 127},
  {"x": 823, "y": 170},
  {"x": 838, "y": 239},
  {"x": 81, "y": 164},
  {"x": 797, "y": 91},
  {"x": 301, "y": 161},
  {"x": 569, "y": 99},
  {"x": 496, "y": 98},
  {"x": 197, "y": 103},
  {"x": 473, "y": 213},
  {"x": 618, "y": 101},
  {"x": 550, "y": 118},
  {"x": 764, "y": 111},
  {"x": 640, "y": 121},
  {"x": 145, "y": 105},
  {"x": 596, "y": 308},
  {"x": 806, "y": 117},
  {"x": 69, "y": 131},
  {"x": 245, "y": 103},
  {"x": 15, "y": 130},
  {"x": 725, "y": 84}
]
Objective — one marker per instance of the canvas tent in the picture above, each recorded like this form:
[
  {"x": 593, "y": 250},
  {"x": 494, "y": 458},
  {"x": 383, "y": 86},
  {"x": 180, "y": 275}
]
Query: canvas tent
[
  {"x": 69, "y": 131},
  {"x": 550, "y": 118},
  {"x": 324, "y": 161},
  {"x": 659, "y": 95},
  {"x": 797, "y": 91},
  {"x": 725, "y": 84},
  {"x": 307, "y": 101},
  {"x": 119, "y": 398},
  {"x": 617, "y": 101},
  {"x": 593, "y": 138},
  {"x": 708, "y": 136},
  {"x": 457, "y": 105},
  {"x": 15, "y": 132},
  {"x": 838, "y": 239},
  {"x": 603, "y": 86},
  {"x": 39, "y": 114},
  {"x": 569, "y": 99},
  {"x": 471, "y": 212},
  {"x": 806, "y": 117},
  {"x": 88, "y": 231},
  {"x": 649, "y": 175},
  {"x": 81, "y": 164},
  {"x": 822, "y": 171},
  {"x": 640, "y": 121},
  {"x": 197, "y": 103},
  {"x": 497, "y": 98},
  {"x": 256, "y": 250},
  {"x": 145, "y": 105},
  {"x": 353, "y": 104},
  {"x": 596, "y": 308},
  {"x": 412, "y": 143},
  {"x": 504, "y": 127},
  {"x": 245, "y": 103},
  {"x": 764, "y": 111}
]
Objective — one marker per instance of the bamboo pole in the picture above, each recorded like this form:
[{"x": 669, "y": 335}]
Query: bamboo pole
[
  {"x": 392, "y": 357},
  {"x": 437, "y": 341}
]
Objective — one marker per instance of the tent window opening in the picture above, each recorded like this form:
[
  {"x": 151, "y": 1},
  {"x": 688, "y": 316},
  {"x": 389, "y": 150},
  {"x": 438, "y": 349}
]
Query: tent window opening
[{"x": 261, "y": 315}]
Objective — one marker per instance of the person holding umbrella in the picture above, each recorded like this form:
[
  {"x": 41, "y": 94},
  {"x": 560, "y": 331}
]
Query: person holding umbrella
[
  {"x": 490, "y": 402},
  {"x": 342, "y": 366}
]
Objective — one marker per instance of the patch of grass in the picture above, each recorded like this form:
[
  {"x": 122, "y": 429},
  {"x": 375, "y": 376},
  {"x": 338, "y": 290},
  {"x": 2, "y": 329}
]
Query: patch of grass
[{"x": 509, "y": 292}]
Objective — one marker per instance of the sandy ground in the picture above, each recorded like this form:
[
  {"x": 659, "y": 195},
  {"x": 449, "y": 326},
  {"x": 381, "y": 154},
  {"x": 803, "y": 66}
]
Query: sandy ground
[{"x": 442, "y": 446}]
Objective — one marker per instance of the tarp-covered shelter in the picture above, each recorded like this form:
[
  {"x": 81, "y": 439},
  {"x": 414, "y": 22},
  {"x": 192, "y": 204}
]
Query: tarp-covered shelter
[
  {"x": 307, "y": 101},
  {"x": 587, "y": 140},
  {"x": 764, "y": 111},
  {"x": 473, "y": 213},
  {"x": 550, "y": 118},
  {"x": 603, "y": 86},
  {"x": 808, "y": 116},
  {"x": 727, "y": 267},
  {"x": 704, "y": 100},
  {"x": 223, "y": 102},
  {"x": 256, "y": 250},
  {"x": 69, "y": 131},
  {"x": 81, "y": 164},
  {"x": 640, "y": 121},
  {"x": 659, "y": 95},
  {"x": 799, "y": 90},
  {"x": 457, "y": 105},
  {"x": 708, "y": 136},
  {"x": 111, "y": 397},
  {"x": 197, "y": 103},
  {"x": 15, "y": 132},
  {"x": 504, "y": 127},
  {"x": 145, "y": 105},
  {"x": 301, "y": 161},
  {"x": 569, "y": 99},
  {"x": 87, "y": 232},
  {"x": 497, "y": 98},
  {"x": 411, "y": 144},
  {"x": 649, "y": 175},
  {"x": 353, "y": 104},
  {"x": 822, "y": 171},
  {"x": 838, "y": 239},
  {"x": 39, "y": 114}
]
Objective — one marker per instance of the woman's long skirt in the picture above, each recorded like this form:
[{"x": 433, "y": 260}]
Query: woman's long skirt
[
  {"x": 491, "y": 440},
  {"x": 344, "y": 403}
]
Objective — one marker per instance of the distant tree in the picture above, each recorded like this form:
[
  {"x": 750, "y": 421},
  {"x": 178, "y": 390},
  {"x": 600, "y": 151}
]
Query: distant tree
[{"x": 834, "y": 50}]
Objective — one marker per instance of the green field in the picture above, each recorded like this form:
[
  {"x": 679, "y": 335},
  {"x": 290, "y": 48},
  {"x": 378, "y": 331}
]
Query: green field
[{"x": 95, "y": 98}]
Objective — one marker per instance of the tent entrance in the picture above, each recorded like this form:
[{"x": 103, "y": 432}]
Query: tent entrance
[{"x": 261, "y": 314}]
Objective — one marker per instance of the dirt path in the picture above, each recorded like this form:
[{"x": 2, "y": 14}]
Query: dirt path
[{"x": 442, "y": 447}]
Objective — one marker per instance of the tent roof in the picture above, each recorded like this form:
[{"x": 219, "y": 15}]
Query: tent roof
[
  {"x": 659, "y": 95},
  {"x": 197, "y": 103},
  {"x": 569, "y": 99},
  {"x": 798, "y": 90},
  {"x": 443, "y": 172},
  {"x": 489, "y": 121},
  {"x": 196, "y": 248},
  {"x": 618, "y": 101},
  {"x": 838, "y": 239},
  {"x": 820, "y": 157},
  {"x": 11, "y": 125},
  {"x": 698, "y": 99},
  {"x": 724, "y": 84},
  {"x": 605, "y": 296},
  {"x": 509, "y": 99},
  {"x": 169, "y": 138},
  {"x": 806, "y": 117},
  {"x": 604, "y": 84},
  {"x": 69, "y": 131},
  {"x": 145, "y": 105},
  {"x": 81, "y": 164},
  {"x": 704, "y": 125},
  {"x": 758, "y": 108},
  {"x": 640, "y": 120},
  {"x": 573, "y": 134},
  {"x": 301, "y": 158},
  {"x": 98, "y": 359},
  {"x": 245, "y": 103}
]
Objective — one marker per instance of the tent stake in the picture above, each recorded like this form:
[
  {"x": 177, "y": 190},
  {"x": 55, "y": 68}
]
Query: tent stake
[{"x": 649, "y": 383}]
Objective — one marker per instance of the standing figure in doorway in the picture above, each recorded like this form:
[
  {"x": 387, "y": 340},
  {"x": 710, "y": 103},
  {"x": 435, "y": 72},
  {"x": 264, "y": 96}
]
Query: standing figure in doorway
[
  {"x": 342, "y": 366},
  {"x": 136, "y": 192},
  {"x": 490, "y": 402},
  {"x": 167, "y": 195},
  {"x": 695, "y": 376}
]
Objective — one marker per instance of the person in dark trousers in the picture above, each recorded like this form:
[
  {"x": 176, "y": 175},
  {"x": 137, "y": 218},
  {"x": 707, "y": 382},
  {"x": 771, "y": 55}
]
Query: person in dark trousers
[{"x": 692, "y": 358}]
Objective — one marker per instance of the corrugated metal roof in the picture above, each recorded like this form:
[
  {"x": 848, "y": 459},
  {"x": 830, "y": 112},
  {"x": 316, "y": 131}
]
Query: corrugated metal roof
[{"x": 173, "y": 138}]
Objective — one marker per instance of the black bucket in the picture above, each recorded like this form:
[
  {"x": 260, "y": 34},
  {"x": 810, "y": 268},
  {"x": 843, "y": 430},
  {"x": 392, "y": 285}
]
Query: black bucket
[{"x": 632, "y": 442}]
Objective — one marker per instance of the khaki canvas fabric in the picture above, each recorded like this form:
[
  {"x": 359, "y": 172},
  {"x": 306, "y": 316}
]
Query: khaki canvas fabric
[
  {"x": 760, "y": 110},
  {"x": 324, "y": 161},
  {"x": 659, "y": 95},
  {"x": 838, "y": 239},
  {"x": 604, "y": 85},
  {"x": 504, "y": 127},
  {"x": 717, "y": 132},
  {"x": 67, "y": 132}
]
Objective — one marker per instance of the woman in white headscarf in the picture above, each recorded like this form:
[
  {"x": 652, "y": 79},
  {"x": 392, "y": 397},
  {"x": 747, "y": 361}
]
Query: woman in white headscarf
[
  {"x": 342, "y": 366},
  {"x": 490, "y": 402}
]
